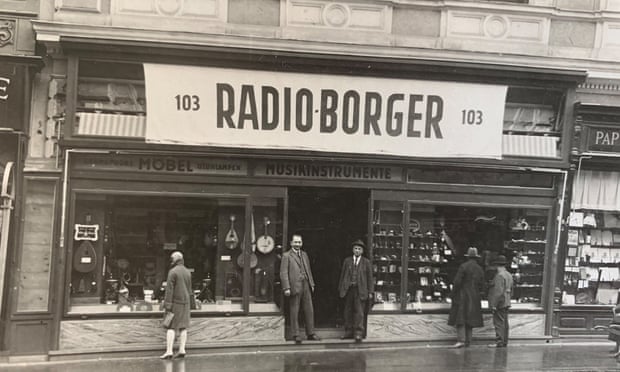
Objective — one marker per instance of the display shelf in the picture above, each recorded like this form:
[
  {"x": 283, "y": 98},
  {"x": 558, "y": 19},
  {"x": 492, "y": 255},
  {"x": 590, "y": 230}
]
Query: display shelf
[
  {"x": 592, "y": 256},
  {"x": 525, "y": 248},
  {"x": 387, "y": 245}
]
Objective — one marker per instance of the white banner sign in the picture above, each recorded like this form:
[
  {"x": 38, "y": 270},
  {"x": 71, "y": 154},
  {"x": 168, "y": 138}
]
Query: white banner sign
[{"x": 335, "y": 113}]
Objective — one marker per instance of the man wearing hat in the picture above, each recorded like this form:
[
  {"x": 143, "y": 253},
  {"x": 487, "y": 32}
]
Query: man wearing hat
[
  {"x": 466, "y": 311},
  {"x": 356, "y": 287},
  {"x": 500, "y": 290}
]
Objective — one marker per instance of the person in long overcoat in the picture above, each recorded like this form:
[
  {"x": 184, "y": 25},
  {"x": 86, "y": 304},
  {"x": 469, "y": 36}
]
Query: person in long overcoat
[
  {"x": 356, "y": 287},
  {"x": 177, "y": 301},
  {"x": 466, "y": 310},
  {"x": 298, "y": 285}
]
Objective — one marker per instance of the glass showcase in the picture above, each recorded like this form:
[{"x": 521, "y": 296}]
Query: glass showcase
[
  {"x": 592, "y": 254},
  {"x": 417, "y": 248},
  {"x": 122, "y": 244}
]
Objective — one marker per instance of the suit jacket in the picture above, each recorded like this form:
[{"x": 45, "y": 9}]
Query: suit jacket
[
  {"x": 365, "y": 284},
  {"x": 500, "y": 290},
  {"x": 291, "y": 271}
]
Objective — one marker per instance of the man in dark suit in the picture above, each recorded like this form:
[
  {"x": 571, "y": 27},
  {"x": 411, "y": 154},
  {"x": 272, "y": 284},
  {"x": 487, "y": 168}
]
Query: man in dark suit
[
  {"x": 298, "y": 285},
  {"x": 356, "y": 287}
]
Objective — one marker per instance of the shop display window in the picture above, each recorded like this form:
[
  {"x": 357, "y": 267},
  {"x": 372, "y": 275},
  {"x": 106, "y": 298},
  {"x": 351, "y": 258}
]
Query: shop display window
[
  {"x": 424, "y": 251},
  {"x": 121, "y": 247},
  {"x": 592, "y": 264},
  {"x": 592, "y": 253},
  {"x": 266, "y": 251}
]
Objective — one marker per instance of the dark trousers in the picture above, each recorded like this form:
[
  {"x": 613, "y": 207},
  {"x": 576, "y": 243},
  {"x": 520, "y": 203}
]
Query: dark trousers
[
  {"x": 353, "y": 312},
  {"x": 500, "y": 322},
  {"x": 305, "y": 300},
  {"x": 464, "y": 334}
]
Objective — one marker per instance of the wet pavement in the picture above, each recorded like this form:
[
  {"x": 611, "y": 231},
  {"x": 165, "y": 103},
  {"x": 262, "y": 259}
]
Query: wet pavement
[{"x": 535, "y": 357}]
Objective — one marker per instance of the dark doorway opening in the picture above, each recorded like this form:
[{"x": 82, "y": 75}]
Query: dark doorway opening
[{"x": 328, "y": 219}]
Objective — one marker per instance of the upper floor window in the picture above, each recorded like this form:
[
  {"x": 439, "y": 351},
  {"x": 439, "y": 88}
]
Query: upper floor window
[
  {"x": 533, "y": 111},
  {"x": 111, "y": 87}
]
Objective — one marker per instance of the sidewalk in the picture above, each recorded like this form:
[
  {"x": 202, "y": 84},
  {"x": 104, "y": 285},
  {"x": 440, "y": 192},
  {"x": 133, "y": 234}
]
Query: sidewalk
[{"x": 557, "y": 355}]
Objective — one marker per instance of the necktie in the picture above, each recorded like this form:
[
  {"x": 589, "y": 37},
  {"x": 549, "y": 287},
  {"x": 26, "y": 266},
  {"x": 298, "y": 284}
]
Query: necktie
[{"x": 357, "y": 260}]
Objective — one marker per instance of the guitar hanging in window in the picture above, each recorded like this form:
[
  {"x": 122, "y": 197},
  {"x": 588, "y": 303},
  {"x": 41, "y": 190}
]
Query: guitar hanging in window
[{"x": 232, "y": 239}]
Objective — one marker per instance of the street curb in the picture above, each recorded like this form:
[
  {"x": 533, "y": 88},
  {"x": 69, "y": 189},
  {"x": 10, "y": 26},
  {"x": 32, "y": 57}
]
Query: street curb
[{"x": 329, "y": 345}]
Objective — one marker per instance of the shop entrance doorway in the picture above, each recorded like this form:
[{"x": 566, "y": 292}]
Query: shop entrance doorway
[{"x": 328, "y": 219}]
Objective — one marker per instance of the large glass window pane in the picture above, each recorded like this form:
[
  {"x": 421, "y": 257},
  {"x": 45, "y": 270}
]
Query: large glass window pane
[
  {"x": 266, "y": 250},
  {"x": 122, "y": 244},
  {"x": 387, "y": 245},
  {"x": 592, "y": 271},
  {"x": 439, "y": 237}
]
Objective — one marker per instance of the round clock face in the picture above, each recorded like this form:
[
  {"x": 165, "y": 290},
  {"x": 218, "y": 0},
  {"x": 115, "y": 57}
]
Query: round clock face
[{"x": 414, "y": 225}]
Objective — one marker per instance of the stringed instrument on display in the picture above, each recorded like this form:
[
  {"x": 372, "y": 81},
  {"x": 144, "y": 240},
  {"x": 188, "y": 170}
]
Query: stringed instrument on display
[
  {"x": 265, "y": 243},
  {"x": 85, "y": 258},
  {"x": 253, "y": 258},
  {"x": 232, "y": 239}
]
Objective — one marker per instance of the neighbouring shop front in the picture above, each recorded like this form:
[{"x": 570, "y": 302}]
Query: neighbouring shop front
[
  {"x": 591, "y": 279},
  {"x": 230, "y": 162},
  {"x": 15, "y": 75}
]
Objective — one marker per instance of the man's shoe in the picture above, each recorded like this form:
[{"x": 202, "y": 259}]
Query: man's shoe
[
  {"x": 313, "y": 337},
  {"x": 297, "y": 340},
  {"x": 458, "y": 345},
  {"x": 358, "y": 339},
  {"x": 347, "y": 336},
  {"x": 497, "y": 345}
]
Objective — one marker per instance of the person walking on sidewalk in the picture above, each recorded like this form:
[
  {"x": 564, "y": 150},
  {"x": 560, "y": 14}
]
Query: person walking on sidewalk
[
  {"x": 466, "y": 311},
  {"x": 355, "y": 286},
  {"x": 177, "y": 301},
  {"x": 500, "y": 291},
  {"x": 298, "y": 285}
]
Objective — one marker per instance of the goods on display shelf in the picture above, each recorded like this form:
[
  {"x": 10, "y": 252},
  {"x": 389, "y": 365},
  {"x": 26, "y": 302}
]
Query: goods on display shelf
[
  {"x": 592, "y": 262},
  {"x": 424, "y": 251}
]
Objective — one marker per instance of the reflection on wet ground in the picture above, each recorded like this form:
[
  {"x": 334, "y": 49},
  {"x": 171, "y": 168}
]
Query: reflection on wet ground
[{"x": 552, "y": 357}]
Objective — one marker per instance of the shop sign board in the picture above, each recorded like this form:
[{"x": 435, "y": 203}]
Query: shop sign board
[
  {"x": 161, "y": 164},
  {"x": 605, "y": 139},
  {"x": 326, "y": 171},
  {"x": 12, "y": 102},
  {"x": 320, "y": 112}
]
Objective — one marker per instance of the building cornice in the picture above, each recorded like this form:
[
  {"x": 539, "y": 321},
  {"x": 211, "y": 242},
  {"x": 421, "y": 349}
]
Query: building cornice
[{"x": 55, "y": 33}]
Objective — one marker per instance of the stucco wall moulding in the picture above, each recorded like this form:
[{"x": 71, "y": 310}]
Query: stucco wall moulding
[
  {"x": 497, "y": 27},
  {"x": 196, "y": 9},
  {"x": 338, "y": 15},
  {"x": 7, "y": 32},
  {"x": 88, "y": 6},
  {"x": 611, "y": 35}
]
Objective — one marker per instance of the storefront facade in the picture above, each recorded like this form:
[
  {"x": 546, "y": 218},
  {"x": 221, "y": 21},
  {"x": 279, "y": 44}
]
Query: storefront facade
[
  {"x": 591, "y": 272},
  {"x": 416, "y": 159},
  {"x": 221, "y": 127},
  {"x": 18, "y": 65}
]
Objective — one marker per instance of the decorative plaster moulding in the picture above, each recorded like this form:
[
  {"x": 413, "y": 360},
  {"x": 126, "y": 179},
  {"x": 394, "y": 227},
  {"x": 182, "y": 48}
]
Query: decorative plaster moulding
[
  {"x": 183, "y": 9},
  {"x": 350, "y": 16},
  {"x": 491, "y": 27},
  {"x": 88, "y": 6}
]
